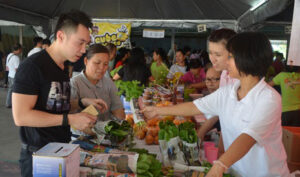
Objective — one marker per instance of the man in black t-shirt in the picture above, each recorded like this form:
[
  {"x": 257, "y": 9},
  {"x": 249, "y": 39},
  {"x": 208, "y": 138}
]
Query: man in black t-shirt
[{"x": 41, "y": 92}]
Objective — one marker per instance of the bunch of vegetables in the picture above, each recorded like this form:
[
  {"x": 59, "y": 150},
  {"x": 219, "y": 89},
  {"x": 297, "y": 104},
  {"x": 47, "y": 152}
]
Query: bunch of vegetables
[
  {"x": 152, "y": 133},
  {"x": 131, "y": 89},
  {"x": 167, "y": 130},
  {"x": 187, "y": 132},
  {"x": 117, "y": 131},
  {"x": 148, "y": 165}
]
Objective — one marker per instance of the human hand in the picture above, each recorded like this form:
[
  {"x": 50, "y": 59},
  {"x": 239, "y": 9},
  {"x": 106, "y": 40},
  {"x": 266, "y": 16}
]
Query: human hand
[
  {"x": 81, "y": 121},
  {"x": 216, "y": 171},
  {"x": 98, "y": 103},
  {"x": 150, "y": 112}
]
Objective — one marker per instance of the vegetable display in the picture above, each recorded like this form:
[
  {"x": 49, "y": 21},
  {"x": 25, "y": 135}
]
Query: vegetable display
[
  {"x": 147, "y": 165},
  {"x": 131, "y": 89},
  {"x": 187, "y": 132},
  {"x": 167, "y": 130},
  {"x": 117, "y": 130}
]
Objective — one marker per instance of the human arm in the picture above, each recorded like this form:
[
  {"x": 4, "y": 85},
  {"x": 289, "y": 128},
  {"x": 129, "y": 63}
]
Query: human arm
[
  {"x": 235, "y": 152},
  {"x": 24, "y": 114},
  {"x": 76, "y": 95},
  {"x": 116, "y": 77},
  {"x": 184, "y": 109},
  {"x": 221, "y": 148},
  {"x": 97, "y": 103},
  {"x": 208, "y": 125}
]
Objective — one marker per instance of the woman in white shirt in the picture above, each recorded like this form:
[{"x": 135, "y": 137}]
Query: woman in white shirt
[{"x": 249, "y": 111}]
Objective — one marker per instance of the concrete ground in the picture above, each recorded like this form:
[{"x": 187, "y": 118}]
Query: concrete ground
[{"x": 9, "y": 140}]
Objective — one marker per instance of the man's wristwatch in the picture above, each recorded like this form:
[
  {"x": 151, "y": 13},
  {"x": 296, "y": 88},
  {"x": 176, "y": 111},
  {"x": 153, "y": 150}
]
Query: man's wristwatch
[{"x": 65, "y": 121}]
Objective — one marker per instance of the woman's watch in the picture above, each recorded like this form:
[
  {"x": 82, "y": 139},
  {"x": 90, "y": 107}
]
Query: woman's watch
[{"x": 80, "y": 103}]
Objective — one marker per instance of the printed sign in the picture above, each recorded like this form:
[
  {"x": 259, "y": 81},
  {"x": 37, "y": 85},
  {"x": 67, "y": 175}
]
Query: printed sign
[{"x": 118, "y": 34}]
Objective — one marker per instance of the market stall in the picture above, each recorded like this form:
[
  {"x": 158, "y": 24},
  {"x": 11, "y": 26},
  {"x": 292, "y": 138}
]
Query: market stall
[{"x": 163, "y": 146}]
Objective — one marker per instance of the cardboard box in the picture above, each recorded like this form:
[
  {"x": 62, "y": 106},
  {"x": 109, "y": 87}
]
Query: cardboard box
[
  {"x": 57, "y": 159},
  {"x": 291, "y": 142}
]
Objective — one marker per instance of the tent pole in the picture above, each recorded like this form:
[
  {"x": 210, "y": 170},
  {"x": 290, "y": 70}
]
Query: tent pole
[
  {"x": 172, "y": 38},
  {"x": 21, "y": 35}
]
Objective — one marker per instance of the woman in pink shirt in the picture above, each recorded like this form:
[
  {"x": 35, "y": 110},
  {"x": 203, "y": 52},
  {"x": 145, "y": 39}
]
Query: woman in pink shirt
[{"x": 196, "y": 76}]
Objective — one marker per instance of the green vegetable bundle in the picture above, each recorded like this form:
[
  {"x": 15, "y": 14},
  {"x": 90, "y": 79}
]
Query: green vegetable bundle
[
  {"x": 131, "y": 89},
  {"x": 116, "y": 130},
  {"x": 187, "y": 132},
  {"x": 167, "y": 130},
  {"x": 148, "y": 166}
]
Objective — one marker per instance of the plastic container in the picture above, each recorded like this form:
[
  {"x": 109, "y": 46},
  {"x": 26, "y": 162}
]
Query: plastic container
[{"x": 211, "y": 154}]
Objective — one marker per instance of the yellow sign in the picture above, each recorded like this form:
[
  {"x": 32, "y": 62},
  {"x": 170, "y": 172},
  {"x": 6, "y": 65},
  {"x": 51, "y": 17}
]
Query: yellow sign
[{"x": 117, "y": 34}]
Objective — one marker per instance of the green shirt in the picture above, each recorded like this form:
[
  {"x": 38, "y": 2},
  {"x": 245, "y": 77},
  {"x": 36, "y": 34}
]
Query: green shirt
[
  {"x": 159, "y": 72},
  {"x": 290, "y": 90}
]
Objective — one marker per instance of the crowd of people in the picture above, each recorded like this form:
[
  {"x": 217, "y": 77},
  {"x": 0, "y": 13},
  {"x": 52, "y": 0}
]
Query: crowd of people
[{"x": 56, "y": 81}]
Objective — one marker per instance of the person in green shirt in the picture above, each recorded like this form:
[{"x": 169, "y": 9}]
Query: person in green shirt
[
  {"x": 159, "y": 69},
  {"x": 289, "y": 82}
]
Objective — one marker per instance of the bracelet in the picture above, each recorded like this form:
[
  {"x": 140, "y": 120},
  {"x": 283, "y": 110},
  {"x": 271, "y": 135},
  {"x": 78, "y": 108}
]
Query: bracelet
[
  {"x": 221, "y": 164},
  {"x": 80, "y": 103},
  {"x": 65, "y": 121}
]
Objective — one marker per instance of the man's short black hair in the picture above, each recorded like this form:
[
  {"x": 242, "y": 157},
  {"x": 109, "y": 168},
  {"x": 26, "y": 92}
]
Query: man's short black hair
[
  {"x": 71, "y": 20},
  {"x": 37, "y": 40},
  {"x": 252, "y": 53},
  {"x": 16, "y": 46}
]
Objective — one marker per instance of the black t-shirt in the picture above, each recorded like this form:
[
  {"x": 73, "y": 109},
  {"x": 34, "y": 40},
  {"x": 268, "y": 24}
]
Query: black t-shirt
[
  {"x": 141, "y": 74},
  {"x": 39, "y": 75}
]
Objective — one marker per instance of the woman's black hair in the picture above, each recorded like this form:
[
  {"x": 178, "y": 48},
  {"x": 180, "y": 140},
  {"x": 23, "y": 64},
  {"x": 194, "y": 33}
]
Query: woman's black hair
[
  {"x": 120, "y": 54},
  {"x": 162, "y": 54},
  {"x": 180, "y": 50},
  {"x": 252, "y": 53},
  {"x": 95, "y": 48},
  {"x": 194, "y": 64},
  {"x": 136, "y": 59},
  {"x": 221, "y": 35}
]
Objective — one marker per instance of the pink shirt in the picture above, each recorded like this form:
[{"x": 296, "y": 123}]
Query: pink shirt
[
  {"x": 190, "y": 78},
  {"x": 226, "y": 79}
]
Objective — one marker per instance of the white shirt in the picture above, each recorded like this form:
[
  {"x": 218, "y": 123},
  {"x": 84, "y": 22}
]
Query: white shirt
[
  {"x": 258, "y": 115},
  {"x": 174, "y": 69},
  {"x": 226, "y": 79},
  {"x": 33, "y": 51},
  {"x": 12, "y": 62}
]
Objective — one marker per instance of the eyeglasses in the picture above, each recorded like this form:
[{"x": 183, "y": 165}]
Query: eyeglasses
[{"x": 213, "y": 80}]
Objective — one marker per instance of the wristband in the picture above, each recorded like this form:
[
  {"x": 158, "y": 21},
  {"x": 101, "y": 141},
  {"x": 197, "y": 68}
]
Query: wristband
[
  {"x": 65, "y": 121},
  {"x": 221, "y": 164},
  {"x": 80, "y": 103}
]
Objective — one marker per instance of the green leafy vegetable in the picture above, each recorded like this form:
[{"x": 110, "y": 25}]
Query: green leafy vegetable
[
  {"x": 131, "y": 89},
  {"x": 148, "y": 165},
  {"x": 187, "y": 132}
]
